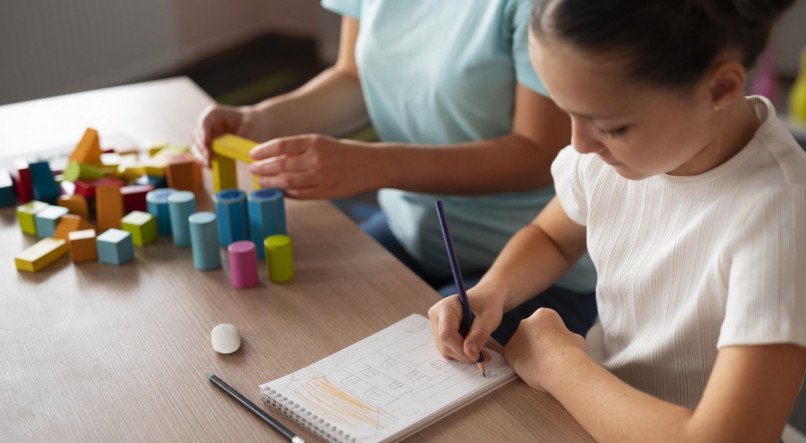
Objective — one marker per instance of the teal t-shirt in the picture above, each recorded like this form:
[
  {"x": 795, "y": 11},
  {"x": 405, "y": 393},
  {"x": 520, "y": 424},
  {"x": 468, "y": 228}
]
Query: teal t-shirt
[{"x": 442, "y": 72}]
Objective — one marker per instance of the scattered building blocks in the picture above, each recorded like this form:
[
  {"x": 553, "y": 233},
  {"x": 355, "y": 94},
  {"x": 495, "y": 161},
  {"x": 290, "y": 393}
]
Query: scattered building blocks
[
  {"x": 47, "y": 219},
  {"x": 82, "y": 245},
  {"x": 26, "y": 215},
  {"x": 181, "y": 204},
  {"x": 41, "y": 254},
  {"x": 180, "y": 175},
  {"x": 233, "y": 218},
  {"x": 142, "y": 226},
  {"x": 76, "y": 204},
  {"x": 279, "y": 258},
  {"x": 108, "y": 206},
  {"x": 69, "y": 223},
  {"x": 114, "y": 247},
  {"x": 6, "y": 189},
  {"x": 45, "y": 187},
  {"x": 266, "y": 216},
  {"x": 204, "y": 241},
  {"x": 242, "y": 264},
  {"x": 157, "y": 204},
  {"x": 88, "y": 150},
  {"x": 25, "y": 187}
]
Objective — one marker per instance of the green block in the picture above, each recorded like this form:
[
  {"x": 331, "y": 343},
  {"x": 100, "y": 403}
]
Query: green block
[
  {"x": 279, "y": 258},
  {"x": 141, "y": 225},
  {"x": 80, "y": 171},
  {"x": 26, "y": 215}
]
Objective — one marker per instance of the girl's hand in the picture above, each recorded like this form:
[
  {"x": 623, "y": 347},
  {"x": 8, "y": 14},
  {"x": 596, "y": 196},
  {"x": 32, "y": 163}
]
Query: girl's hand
[
  {"x": 316, "y": 166},
  {"x": 541, "y": 345},
  {"x": 446, "y": 317},
  {"x": 217, "y": 120}
]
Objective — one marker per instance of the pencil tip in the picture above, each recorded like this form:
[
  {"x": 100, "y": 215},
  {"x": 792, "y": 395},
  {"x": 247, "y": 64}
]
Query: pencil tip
[{"x": 209, "y": 375}]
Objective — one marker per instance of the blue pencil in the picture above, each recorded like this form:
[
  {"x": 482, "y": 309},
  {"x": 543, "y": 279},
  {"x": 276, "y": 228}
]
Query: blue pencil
[{"x": 467, "y": 314}]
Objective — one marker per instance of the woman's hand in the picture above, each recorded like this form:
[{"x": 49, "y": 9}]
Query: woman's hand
[
  {"x": 316, "y": 166},
  {"x": 446, "y": 318},
  {"x": 541, "y": 345}
]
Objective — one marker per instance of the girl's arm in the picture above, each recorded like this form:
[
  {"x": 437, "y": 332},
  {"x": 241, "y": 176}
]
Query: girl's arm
[
  {"x": 531, "y": 261},
  {"x": 749, "y": 394}
]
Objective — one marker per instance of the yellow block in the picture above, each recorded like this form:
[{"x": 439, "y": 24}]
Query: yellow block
[
  {"x": 234, "y": 147},
  {"x": 41, "y": 254},
  {"x": 224, "y": 174}
]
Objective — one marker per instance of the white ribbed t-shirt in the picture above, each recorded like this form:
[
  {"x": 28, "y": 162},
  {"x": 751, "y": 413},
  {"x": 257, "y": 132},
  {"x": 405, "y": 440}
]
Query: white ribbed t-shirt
[{"x": 687, "y": 265}]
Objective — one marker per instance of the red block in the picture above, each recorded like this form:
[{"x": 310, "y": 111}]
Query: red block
[
  {"x": 25, "y": 186},
  {"x": 134, "y": 197},
  {"x": 87, "y": 189}
]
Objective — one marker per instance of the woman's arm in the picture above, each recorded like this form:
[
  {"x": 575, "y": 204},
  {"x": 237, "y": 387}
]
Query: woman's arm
[{"x": 750, "y": 392}]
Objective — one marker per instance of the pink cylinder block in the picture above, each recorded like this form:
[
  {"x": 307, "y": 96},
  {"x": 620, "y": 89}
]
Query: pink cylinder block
[{"x": 242, "y": 264}]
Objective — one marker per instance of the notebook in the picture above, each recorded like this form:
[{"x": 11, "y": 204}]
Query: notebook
[{"x": 384, "y": 387}]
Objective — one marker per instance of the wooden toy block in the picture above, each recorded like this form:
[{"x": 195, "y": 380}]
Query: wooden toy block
[
  {"x": 242, "y": 264},
  {"x": 26, "y": 215},
  {"x": 142, "y": 226},
  {"x": 87, "y": 189},
  {"x": 47, "y": 219},
  {"x": 181, "y": 204},
  {"x": 279, "y": 258},
  {"x": 157, "y": 182},
  {"x": 115, "y": 247},
  {"x": 25, "y": 187},
  {"x": 67, "y": 189},
  {"x": 157, "y": 203},
  {"x": 41, "y": 254},
  {"x": 155, "y": 167},
  {"x": 266, "y": 216},
  {"x": 76, "y": 204},
  {"x": 180, "y": 175},
  {"x": 154, "y": 148},
  {"x": 69, "y": 223},
  {"x": 81, "y": 171},
  {"x": 108, "y": 206},
  {"x": 88, "y": 149},
  {"x": 204, "y": 241},
  {"x": 229, "y": 147},
  {"x": 6, "y": 189},
  {"x": 130, "y": 171},
  {"x": 45, "y": 188},
  {"x": 233, "y": 219},
  {"x": 134, "y": 197},
  {"x": 82, "y": 245}
]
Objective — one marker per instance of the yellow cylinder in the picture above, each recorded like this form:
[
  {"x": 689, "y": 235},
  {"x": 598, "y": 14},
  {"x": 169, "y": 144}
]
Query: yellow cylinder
[{"x": 279, "y": 258}]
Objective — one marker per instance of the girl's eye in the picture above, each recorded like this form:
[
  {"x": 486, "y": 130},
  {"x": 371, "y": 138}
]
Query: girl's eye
[{"x": 617, "y": 132}]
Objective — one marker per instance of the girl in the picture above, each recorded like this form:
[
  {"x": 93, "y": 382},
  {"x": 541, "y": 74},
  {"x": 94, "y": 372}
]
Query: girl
[
  {"x": 691, "y": 200},
  {"x": 449, "y": 88}
]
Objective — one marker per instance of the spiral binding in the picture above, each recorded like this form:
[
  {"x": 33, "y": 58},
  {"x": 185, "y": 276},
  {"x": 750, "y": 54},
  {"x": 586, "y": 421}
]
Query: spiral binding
[{"x": 306, "y": 418}]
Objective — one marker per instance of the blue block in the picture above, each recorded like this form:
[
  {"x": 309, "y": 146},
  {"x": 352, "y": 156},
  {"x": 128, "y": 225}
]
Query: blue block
[
  {"x": 115, "y": 247},
  {"x": 266, "y": 216},
  {"x": 233, "y": 217},
  {"x": 157, "y": 202},
  {"x": 181, "y": 205},
  {"x": 204, "y": 241},
  {"x": 47, "y": 219},
  {"x": 45, "y": 187},
  {"x": 158, "y": 182},
  {"x": 6, "y": 189}
]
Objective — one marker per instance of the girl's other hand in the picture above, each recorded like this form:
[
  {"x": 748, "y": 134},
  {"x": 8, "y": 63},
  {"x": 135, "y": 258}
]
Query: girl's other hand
[{"x": 540, "y": 345}]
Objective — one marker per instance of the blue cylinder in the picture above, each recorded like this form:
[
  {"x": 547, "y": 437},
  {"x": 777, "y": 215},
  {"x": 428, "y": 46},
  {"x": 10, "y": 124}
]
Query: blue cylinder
[
  {"x": 233, "y": 219},
  {"x": 204, "y": 241},
  {"x": 181, "y": 205},
  {"x": 266, "y": 216},
  {"x": 157, "y": 201}
]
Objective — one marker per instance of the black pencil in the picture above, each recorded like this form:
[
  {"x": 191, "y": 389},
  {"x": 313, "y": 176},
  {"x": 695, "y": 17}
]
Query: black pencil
[
  {"x": 271, "y": 421},
  {"x": 467, "y": 314}
]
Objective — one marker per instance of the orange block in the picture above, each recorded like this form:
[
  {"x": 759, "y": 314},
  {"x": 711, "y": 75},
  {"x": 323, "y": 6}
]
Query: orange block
[
  {"x": 181, "y": 175},
  {"x": 108, "y": 206},
  {"x": 69, "y": 223},
  {"x": 76, "y": 204},
  {"x": 88, "y": 149},
  {"x": 82, "y": 245}
]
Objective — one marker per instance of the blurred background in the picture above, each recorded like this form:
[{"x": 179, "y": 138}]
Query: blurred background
[{"x": 242, "y": 51}]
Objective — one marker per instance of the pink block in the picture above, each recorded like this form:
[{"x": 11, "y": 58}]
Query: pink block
[
  {"x": 243, "y": 264},
  {"x": 134, "y": 197}
]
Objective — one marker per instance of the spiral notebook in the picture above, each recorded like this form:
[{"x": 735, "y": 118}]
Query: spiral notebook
[{"x": 385, "y": 387}]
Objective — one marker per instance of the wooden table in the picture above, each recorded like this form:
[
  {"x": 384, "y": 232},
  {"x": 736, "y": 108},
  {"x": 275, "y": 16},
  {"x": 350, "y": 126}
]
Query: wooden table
[{"x": 92, "y": 352}]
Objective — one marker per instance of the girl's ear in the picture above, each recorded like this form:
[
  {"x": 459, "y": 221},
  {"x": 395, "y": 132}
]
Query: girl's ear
[{"x": 725, "y": 83}]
